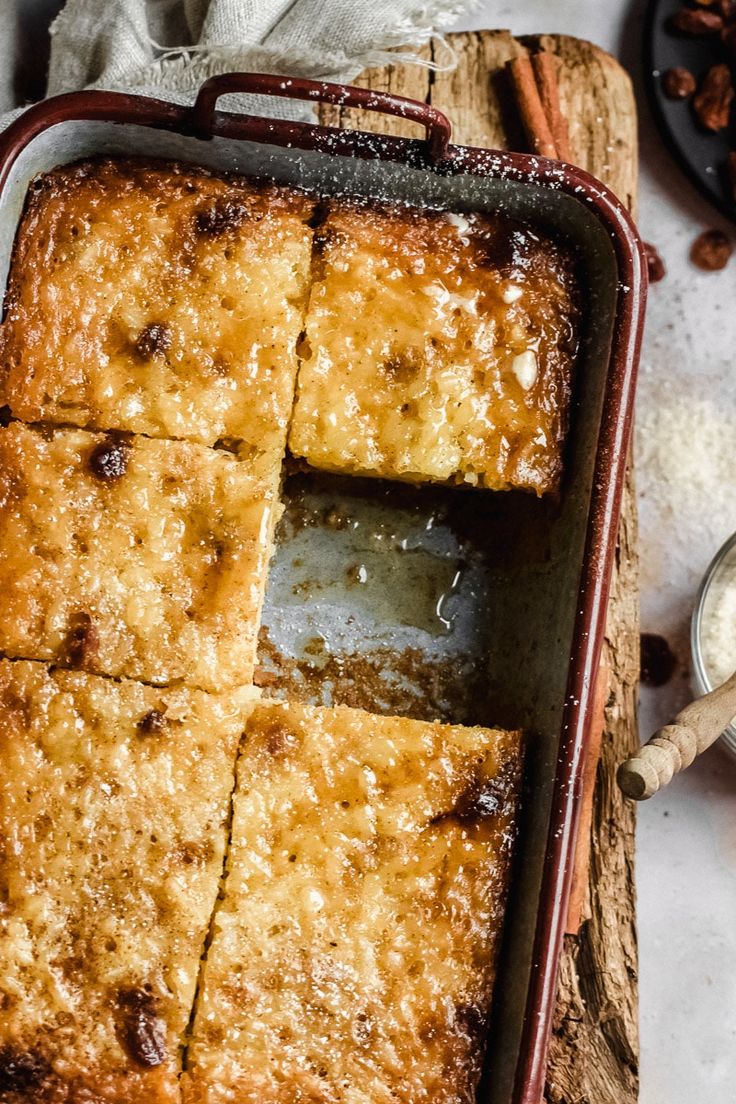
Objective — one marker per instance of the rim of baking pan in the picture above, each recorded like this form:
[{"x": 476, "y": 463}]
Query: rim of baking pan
[{"x": 437, "y": 154}]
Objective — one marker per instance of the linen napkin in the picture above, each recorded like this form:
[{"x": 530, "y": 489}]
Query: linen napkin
[{"x": 167, "y": 48}]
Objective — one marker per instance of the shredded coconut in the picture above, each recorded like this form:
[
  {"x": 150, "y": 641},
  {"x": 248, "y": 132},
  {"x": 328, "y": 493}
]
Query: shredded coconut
[
  {"x": 718, "y": 634},
  {"x": 524, "y": 367},
  {"x": 461, "y": 224},
  {"x": 511, "y": 293}
]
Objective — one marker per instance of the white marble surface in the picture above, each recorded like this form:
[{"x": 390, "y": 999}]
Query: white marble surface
[{"x": 686, "y": 853}]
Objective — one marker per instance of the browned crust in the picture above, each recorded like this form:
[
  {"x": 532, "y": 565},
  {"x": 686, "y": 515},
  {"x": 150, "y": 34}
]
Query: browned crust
[
  {"x": 478, "y": 815},
  {"x": 500, "y": 245},
  {"x": 493, "y": 234},
  {"x": 98, "y": 958},
  {"x": 42, "y": 1082},
  {"x": 219, "y": 202},
  {"x": 48, "y": 477},
  {"x": 57, "y": 194},
  {"x": 36, "y": 1081}
]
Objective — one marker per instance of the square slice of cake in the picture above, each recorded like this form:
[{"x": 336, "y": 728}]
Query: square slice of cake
[
  {"x": 114, "y": 808},
  {"x": 159, "y": 299},
  {"x": 439, "y": 347},
  {"x": 131, "y": 557},
  {"x": 352, "y": 958}
]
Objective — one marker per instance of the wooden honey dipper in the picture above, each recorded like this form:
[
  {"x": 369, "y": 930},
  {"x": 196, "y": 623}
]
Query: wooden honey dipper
[{"x": 674, "y": 747}]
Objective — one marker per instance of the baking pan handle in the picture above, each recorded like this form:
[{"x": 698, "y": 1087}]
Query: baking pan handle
[{"x": 436, "y": 125}]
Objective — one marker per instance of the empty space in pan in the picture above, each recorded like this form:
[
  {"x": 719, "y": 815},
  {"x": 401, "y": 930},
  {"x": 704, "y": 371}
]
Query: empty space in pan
[{"x": 400, "y": 599}]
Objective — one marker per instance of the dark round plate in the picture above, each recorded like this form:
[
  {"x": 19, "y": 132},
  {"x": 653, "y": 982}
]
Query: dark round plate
[{"x": 701, "y": 153}]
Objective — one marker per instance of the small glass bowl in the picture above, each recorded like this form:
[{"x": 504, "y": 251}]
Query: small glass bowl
[{"x": 724, "y": 561}]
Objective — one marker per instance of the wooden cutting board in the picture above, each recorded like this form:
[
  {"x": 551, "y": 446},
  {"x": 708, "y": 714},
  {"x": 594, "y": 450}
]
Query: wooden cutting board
[{"x": 594, "y": 1048}]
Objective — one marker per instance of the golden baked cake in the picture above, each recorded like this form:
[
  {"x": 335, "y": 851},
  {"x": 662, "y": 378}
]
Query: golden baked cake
[
  {"x": 353, "y": 954},
  {"x": 114, "y": 804},
  {"x": 131, "y": 557},
  {"x": 160, "y": 299},
  {"x": 439, "y": 347}
]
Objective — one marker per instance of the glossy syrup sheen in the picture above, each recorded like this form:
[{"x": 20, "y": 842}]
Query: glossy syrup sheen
[
  {"x": 353, "y": 953},
  {"x": 438, "y": 347},
  {"x": 158, "y": 299}
]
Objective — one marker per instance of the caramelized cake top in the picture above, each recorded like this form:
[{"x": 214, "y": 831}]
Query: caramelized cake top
[
  {"x": 354, "y": 948},
  {"x": 129, "y": 556},
  {"x": 439, "y": 347},
  {"x": 158, "y": 299},
  {"x": 114, "y": 801},
  {"x": 353, "y": 954}
]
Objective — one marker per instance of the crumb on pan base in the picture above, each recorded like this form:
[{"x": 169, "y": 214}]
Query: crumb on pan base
[
  {"x": 157, "y": 298},
  {"x": 131, "y": 557},
  {"x": 114, "y": 802},
  {"x": 438, "y": 348},
  {"x": 353, "y": 955}
]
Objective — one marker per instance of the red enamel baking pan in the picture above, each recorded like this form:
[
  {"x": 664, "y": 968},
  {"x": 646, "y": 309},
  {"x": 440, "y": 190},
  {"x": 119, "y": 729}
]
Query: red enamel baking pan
[{"x": 546, "y": 597}]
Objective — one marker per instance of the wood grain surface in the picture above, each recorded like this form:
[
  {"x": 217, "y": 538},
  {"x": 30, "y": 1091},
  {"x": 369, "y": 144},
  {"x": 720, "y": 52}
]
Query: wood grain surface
[{"x": 594, "y": 1048}]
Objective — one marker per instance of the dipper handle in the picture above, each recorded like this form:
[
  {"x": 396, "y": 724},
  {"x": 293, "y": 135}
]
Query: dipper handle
[{"x": 675, "y": 746}]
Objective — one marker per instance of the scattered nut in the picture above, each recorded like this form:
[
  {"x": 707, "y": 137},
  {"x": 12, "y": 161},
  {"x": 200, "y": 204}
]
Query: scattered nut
[
  {"x": 678, "y": 83},
  {"x": 655, "y": 264},
  {"x": 712, "y": 102},
  {"x": 711, "y": 251},
  {"x": 728, "y": 37},
  {"x": 726, "y": 9},
  {"x": 658, "y": 661},
  {"x": 690, "y": 21}
]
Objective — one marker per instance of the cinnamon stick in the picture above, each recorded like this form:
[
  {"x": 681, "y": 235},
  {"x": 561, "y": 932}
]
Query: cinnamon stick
[
  {"x": 534, "y": 86},
  {"x": 529, "y": 105},
  {"x": 545, "y": 73}
]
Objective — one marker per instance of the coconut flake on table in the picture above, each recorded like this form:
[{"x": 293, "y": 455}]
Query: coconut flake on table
[{"x": 687, "y": 503}]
